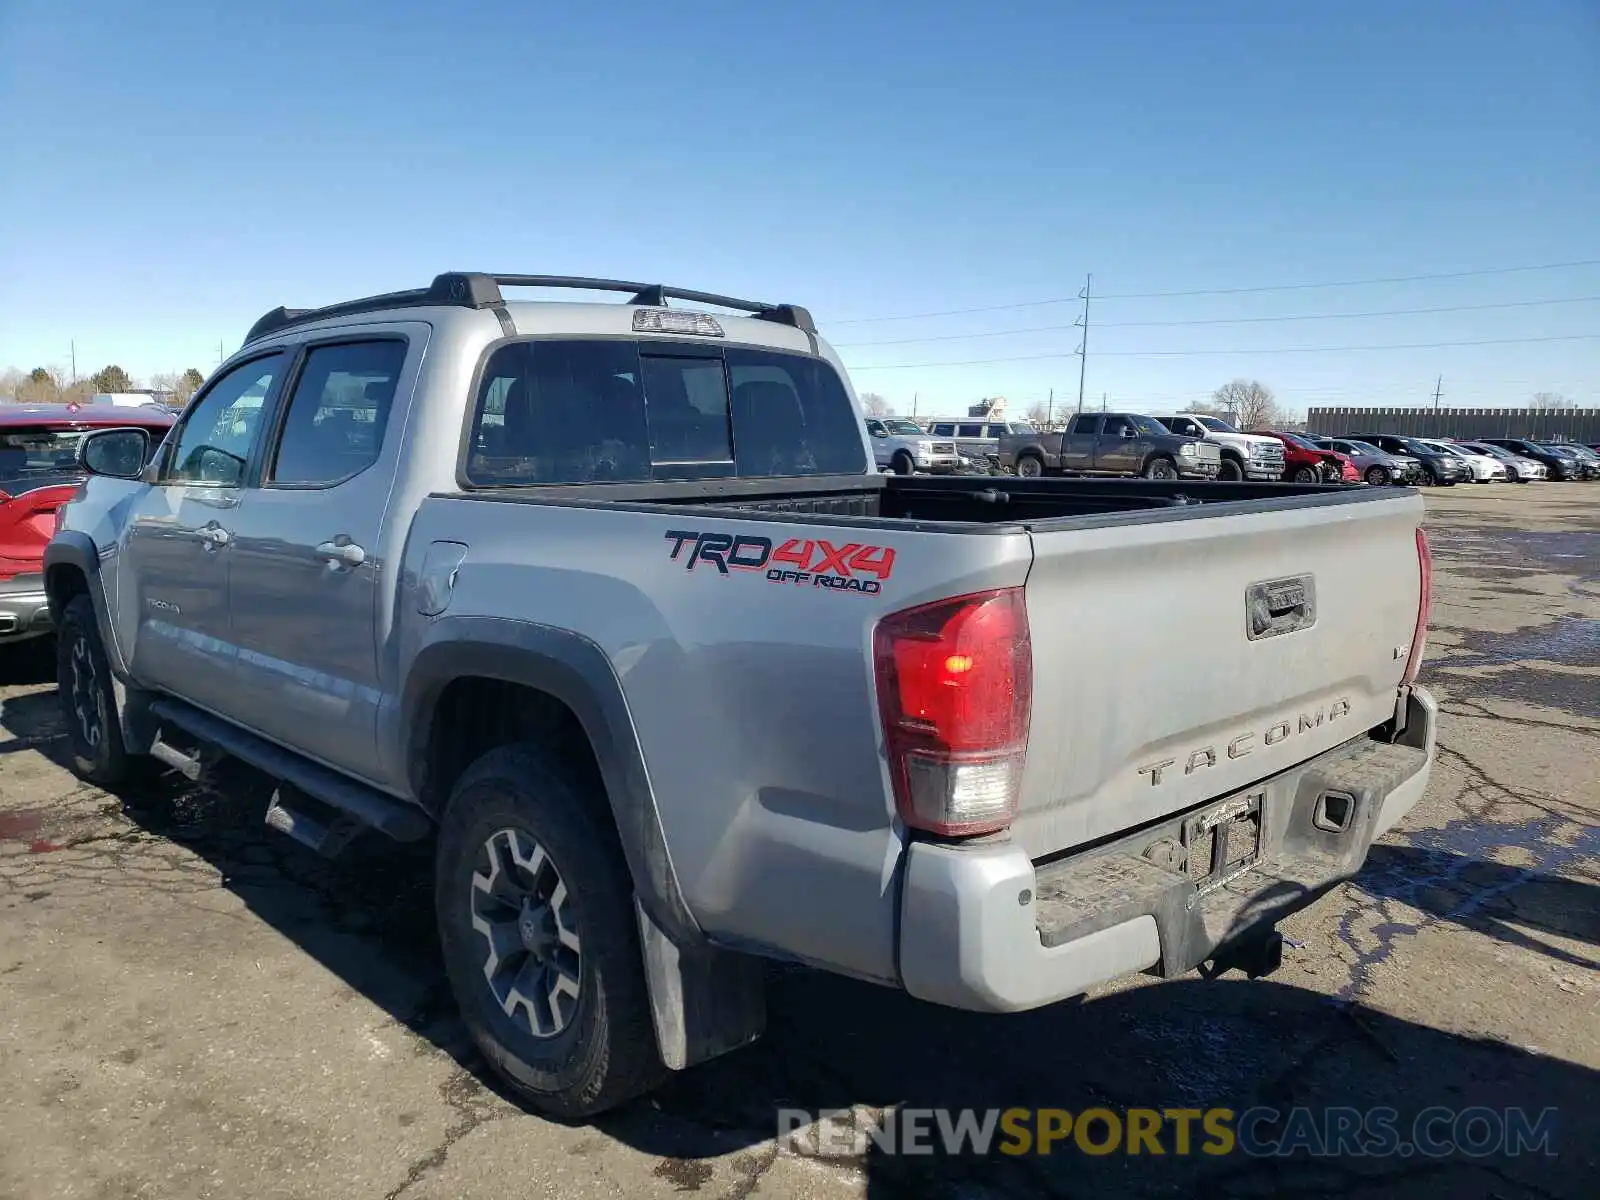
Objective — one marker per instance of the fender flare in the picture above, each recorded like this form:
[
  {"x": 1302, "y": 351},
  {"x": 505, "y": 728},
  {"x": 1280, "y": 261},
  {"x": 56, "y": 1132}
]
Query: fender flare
[
  {"x": 74, "y": 550},
  {"x": 577, "y": 672}
]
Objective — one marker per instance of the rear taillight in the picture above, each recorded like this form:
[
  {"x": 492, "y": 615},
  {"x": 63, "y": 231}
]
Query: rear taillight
[
  {"x": 955, "y": 690},
  {"x": 1419, "y": 635}
]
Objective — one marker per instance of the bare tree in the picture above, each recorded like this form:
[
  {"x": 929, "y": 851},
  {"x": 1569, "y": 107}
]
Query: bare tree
[
  {"x": 1039, "y": 413},
  {"x": 1250, "y": 403},
  {"x": 1551, "y": 400},
  {"x": 42, "y": 385},
  {"x": 11, "y": 381},
  {"x": 875, "y": 405}
]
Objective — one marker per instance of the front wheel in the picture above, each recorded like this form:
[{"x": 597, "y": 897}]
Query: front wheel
[
  {"x": 1378, "y": 476},
  {"x": 902, "y": 464},
  {"x": 1030, "y": 466},
  {"x": 1161, "y": 467},
  {"x": 1307, "y": 475},
  {"x": 535, "y": 910},
  {"x": 88, "y": 705},
  {"x": 1230, "y": 471}
]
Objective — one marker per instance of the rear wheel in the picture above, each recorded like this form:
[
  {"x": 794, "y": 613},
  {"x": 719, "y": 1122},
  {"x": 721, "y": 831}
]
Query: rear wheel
[
  {"x": 902, "y": 464},
  {"x": 1030, "y": 466},
  {"x": 535, "y": 911},
  {"x": 1230, "y": 470},
  {"x": 1307, "y": 475},
  {"x": 1161, "y": 467},
  {"x": 1378, "y": 476},
  {"x": 88, "y": 705}
]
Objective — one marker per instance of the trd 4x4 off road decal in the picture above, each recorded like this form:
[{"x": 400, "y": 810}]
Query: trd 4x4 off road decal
[{"x": 842, "y": 567}]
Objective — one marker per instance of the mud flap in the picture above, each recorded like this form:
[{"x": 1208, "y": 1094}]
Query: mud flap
[{"x": 704, "y": 1001}]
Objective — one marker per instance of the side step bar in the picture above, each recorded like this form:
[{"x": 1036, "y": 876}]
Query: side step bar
[{"x": 395, "y": 818}]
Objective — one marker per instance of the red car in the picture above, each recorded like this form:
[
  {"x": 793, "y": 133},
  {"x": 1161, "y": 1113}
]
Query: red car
[
  {"x": 1306, "y": 462},
  {"x": 38, "y": 473}
]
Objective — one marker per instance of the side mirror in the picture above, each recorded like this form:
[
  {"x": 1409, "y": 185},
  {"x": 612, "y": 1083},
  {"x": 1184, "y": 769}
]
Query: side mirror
[
  {"x": 880, "y": 432},
  {"x": 118, "y": 453}
]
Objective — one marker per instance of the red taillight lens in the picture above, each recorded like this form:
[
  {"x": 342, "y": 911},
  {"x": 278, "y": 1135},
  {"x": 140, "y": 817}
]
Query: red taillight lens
[
  {"x": 955, "y": 689},
  {"x": 1419, "y": 636}
]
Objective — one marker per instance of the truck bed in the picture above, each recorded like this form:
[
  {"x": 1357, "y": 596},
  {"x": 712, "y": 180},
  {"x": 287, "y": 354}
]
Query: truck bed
[{"x": 979, "y": 503}]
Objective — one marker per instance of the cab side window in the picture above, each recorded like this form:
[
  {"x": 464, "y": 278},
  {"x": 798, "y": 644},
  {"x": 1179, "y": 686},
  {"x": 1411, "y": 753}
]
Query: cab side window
[
  {"x": 338, "y": 413},
  {"x": 219, "y": 433},
  {"x": 1085, "y": 424},
  {"x": 1115, "y": 426}
]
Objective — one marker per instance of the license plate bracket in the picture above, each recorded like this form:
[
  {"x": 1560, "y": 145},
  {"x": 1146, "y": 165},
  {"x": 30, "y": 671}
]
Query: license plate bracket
[{"x": 1222, "y": 842}]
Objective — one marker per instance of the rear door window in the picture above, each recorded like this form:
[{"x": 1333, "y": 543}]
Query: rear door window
[
  {"x": 338, "y": 413},
  {"x": 970, "y": 431},
  {"x": 1085, "y": 424}
]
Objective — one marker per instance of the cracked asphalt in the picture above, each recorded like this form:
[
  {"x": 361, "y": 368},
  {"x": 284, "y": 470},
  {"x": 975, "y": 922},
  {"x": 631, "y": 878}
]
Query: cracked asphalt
[{"x": 191, "y": 1007}]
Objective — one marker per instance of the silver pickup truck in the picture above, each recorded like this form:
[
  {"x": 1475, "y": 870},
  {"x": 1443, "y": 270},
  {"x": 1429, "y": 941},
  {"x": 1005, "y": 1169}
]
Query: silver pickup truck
[{"x": 608, "y": 599}]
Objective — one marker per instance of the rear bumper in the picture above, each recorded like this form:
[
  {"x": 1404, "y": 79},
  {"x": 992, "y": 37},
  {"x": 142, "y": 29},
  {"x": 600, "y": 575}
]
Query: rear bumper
[
  {"x": 983, "y": 928},
  {"x": 24, "y": 608}
]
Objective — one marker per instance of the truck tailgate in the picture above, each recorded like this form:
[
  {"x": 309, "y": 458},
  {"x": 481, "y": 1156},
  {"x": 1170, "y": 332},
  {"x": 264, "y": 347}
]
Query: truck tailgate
[{"x": 1154, "y": 689}]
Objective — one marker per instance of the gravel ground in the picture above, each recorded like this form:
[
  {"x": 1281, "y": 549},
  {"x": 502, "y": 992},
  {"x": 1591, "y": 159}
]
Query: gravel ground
[{"x": 190, "y": 1007}]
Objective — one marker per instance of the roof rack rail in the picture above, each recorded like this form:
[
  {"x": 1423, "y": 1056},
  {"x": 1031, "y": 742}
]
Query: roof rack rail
[{"x": 472, "y": 289}]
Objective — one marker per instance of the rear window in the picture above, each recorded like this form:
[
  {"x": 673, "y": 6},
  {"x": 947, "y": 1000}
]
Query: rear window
[
  {"x": 36, "y": 456},
  {"x": 599, "y": 411}
]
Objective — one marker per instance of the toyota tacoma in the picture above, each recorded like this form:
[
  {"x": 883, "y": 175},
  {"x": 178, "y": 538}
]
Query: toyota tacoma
[{"x": 609, "y": 602}]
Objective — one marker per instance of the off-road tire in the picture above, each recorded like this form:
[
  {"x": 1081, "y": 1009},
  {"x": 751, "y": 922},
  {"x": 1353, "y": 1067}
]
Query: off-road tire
[
  {"x": 88, "y": 704},
  {"x": 606, "y": 1052}
]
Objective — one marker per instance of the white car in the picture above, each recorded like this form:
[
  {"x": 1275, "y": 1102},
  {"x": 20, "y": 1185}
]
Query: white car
[
  {"x": 1485, "y": 468},
  {"x": 1518, "y": 468}
]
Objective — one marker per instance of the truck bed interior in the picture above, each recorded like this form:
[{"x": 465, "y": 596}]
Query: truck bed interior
[{"x": 974, "y": 501}]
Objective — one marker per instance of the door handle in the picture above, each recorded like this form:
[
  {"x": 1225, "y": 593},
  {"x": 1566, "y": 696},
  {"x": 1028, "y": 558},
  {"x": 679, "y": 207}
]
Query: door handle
[
  {"x": 214, "y": 535},
  {"x": 346, "y": 555}
]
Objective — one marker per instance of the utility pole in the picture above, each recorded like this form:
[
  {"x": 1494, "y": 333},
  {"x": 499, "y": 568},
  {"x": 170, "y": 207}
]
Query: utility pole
[
  {"x": 1438, "y": 390},
  {"x": 74, "y": 345},
  {"x": 1102, "y": 402},
  {"x": 1083, "y": 348},
  {"x": 1050, "y": 409},
  {"x": 220, "y": 355},
  {"x": 914, "y": 396}
]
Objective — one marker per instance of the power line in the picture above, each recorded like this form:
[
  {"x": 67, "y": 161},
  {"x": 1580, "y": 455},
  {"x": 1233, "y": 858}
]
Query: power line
[
  {"x": 1392, "y": 312},
  {"x": 1297, "y": 287},
  {"x": 1237, "y": 291},
  {"x": 973, "y": 362}
]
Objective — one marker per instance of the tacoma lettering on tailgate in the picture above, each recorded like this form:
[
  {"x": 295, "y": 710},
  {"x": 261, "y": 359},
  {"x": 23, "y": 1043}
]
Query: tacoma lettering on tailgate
[{"x": 798, "y": 562}]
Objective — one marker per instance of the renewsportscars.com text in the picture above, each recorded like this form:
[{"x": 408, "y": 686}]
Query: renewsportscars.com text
[{"x": 1259, "y": 1132}]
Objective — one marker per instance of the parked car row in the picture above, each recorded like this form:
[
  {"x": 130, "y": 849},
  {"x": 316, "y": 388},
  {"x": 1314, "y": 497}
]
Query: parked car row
[{"x": 1443, "y": 462}]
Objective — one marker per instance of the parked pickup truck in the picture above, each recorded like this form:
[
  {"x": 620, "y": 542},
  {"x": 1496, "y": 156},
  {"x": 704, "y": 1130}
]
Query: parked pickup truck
[
  {"x": 1111, "y": 444},
  {"x": 902, "y": 447},
  {"x": 1244, "y": 455},
  {"x": 608, "y": 600}
]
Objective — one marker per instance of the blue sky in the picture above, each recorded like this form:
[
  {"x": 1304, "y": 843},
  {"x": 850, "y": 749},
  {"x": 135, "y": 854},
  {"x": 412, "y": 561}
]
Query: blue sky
[{"x": 173, "y": 170}]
